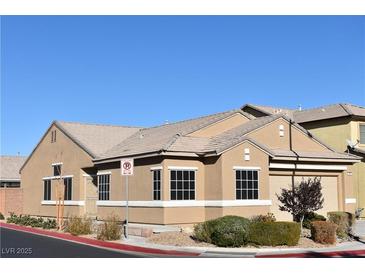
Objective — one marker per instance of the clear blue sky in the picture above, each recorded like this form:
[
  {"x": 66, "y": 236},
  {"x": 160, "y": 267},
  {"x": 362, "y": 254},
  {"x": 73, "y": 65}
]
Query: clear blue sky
[{"x": 145, "y": 70}]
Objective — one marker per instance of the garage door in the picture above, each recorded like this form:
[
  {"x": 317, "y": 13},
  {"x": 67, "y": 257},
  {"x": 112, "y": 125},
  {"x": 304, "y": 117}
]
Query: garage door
[{"x": 329, "y": 191}]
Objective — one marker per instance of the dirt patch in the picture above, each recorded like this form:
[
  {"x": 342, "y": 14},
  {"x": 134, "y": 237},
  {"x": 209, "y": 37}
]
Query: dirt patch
[
  {"x": 176, "y": 239},
  {"x": 184, "y": 239}
]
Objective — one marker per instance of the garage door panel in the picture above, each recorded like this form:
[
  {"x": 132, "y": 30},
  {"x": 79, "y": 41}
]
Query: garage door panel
[{"x": 329, "y": 191}]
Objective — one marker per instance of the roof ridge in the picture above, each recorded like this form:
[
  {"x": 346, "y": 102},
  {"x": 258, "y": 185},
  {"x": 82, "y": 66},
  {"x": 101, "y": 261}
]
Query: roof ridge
[
  {"x": 315, "y": 108},
  {"x": 96, "y": 124},
  {"x": 272, "y": 107}
]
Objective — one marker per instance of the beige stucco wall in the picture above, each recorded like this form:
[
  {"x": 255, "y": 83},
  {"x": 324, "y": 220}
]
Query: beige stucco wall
[
  {"x": 221, "y": 126},
  {"x": 39, "y": 166},
  {"x": 269, "y": 135},
  {"x": 335, "y": 132}
]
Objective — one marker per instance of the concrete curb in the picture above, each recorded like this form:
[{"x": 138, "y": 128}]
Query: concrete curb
[{"x": 98, "y": 243}]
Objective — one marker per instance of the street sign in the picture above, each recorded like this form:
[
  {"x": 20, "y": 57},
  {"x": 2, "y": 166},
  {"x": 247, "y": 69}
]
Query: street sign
[{"x": 126, "y": 167}]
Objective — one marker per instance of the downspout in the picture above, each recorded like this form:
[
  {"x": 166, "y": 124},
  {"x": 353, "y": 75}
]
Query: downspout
[{"x": 296, "y": 155}]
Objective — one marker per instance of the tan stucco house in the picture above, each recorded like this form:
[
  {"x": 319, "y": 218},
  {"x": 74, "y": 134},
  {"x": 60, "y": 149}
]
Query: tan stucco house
[
  {"x": 185, "y": 172},
  {"x": 342, "y": 126}
]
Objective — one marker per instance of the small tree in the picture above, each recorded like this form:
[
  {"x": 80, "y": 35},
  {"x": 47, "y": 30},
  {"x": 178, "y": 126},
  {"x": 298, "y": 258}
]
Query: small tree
[{"x": 303, "y": 198}]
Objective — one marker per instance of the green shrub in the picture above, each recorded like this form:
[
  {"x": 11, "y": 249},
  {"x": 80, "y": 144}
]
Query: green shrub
[
  {"x": 269, "y": 217},
  {"x": 49, "y": 224},
  {"x": 78, "y": 226},
  {"x": 323, "y": 232},
  {"x": 1, "y": 216},
  {"x": 230, "y": 231},
  {"x": 203, "y": 231},
  {"x": 274, "y": 233},
  {"x": 344, "y": 222},
  {"x": 110, "y": 230},
  {"x": 312, "y": 217}
]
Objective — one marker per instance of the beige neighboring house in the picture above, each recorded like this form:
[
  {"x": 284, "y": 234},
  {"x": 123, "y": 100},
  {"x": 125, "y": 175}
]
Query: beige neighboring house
[
  {"x": 10, "y": 185},
  {"x": 342, "y": 126},
  {"x": 185, "y": 172}
]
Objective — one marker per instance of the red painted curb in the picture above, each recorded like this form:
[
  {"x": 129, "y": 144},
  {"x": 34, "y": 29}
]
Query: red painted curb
[
  {"x": 314, "y": 254},
  {"x": 98, "y": 243}
]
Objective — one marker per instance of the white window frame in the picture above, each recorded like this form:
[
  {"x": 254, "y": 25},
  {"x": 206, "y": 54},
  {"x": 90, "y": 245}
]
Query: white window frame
[
  {"x": 153, "y": 170},
  {"x": 110, "y": 183},
  {"x": 258, "y": 182},
  {"x": 195, "y": 180}
]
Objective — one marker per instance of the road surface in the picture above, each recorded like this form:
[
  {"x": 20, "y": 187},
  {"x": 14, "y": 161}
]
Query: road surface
[{"x": 17, "y": 244}]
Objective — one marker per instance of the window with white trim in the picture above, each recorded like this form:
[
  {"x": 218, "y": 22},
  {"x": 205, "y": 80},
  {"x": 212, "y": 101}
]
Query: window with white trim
[
  {"x": 182, "y": 184},
  {"x": 57, "y": 170},
  {"x": 104, "y": 187},
  {"x": 47, "y": 190},
  {"x": 247, "y": 184},
  {"x": 156, "y": 178},
  {"x": 68, "y": 188}
]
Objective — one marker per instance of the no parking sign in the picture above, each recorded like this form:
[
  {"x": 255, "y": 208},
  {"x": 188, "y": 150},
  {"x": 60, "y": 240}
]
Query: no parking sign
[{"x": 127, "y": 167}]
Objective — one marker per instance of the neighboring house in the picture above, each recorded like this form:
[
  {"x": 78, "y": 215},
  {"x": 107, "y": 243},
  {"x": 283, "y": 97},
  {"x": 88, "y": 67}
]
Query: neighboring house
[
  {"x": 10, "y": 184},
  {"x": 185, "y": 172},
  {"x": 342, "y": 126},
  {"x": 9, "y": 170}
]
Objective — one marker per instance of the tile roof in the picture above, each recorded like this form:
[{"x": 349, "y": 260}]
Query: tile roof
[
  {"x": 307, "y": 154},
  {"x": 328, "y": 112},
  {"x": 167, "y": 137},
  {"x": 96, "y": 139},
  {"x": 313, "y": 114},
  {"x": 10, "y": 166}
]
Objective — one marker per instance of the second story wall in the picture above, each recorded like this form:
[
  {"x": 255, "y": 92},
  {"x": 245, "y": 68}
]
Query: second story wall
[{"x": 333, "y": 132}]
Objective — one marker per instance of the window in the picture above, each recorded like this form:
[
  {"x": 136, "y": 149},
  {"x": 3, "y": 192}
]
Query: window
[
  {"x": 57, "y": 170},
  {"x": 68, "y": 188},
  {"x": 247, "y": 184},
  {"x": 156, "y": 184},
  {"x": 182, "y": 184},
  {"x": 104, "y": 186},
  {"x": 362, "y": 133},
  {"x": 47, "y": 190}
]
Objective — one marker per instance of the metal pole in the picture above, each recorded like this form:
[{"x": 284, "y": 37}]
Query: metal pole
[{"x": 126, "y": 208}]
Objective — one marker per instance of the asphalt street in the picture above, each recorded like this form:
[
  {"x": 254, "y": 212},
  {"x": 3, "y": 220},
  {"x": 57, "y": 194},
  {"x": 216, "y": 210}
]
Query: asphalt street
[{"x": 16, "y": 244}]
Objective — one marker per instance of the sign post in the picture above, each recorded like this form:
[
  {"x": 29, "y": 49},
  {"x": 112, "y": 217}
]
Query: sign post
[{"x": 126, "y": 167}]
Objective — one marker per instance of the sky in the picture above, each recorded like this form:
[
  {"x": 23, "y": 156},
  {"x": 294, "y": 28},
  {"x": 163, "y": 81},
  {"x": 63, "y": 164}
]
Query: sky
[{"x": 145, "y": 70}]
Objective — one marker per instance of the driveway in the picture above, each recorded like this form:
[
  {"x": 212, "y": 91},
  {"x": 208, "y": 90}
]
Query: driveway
[{"x": 17, "y": 244}]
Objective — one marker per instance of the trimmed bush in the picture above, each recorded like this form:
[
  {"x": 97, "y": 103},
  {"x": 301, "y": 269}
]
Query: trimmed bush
[
  {"x": 274, "y": 233},
  {"x": 312, "y": 217},
  {"x": 203, "y": 231},
  {"x": 110, "y": 230},
  {"x": 230, "y": 231},
  {"x": 78, "y": 226},
  {"x": 1, "y": 216},
  {"x": 344, "y": 222},
  {"x": 49, "y": 224},
  {"x": 323, "y": 232},
  {"x": 269, "y": 217},
  {"x": 227, "y": 231}
]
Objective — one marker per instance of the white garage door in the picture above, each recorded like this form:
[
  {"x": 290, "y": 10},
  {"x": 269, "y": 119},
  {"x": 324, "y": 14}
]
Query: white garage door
[{"x": 329, "y": 191}]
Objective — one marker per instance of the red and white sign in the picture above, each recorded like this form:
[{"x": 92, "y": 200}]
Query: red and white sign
[{"x": 126, "y": 167}]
